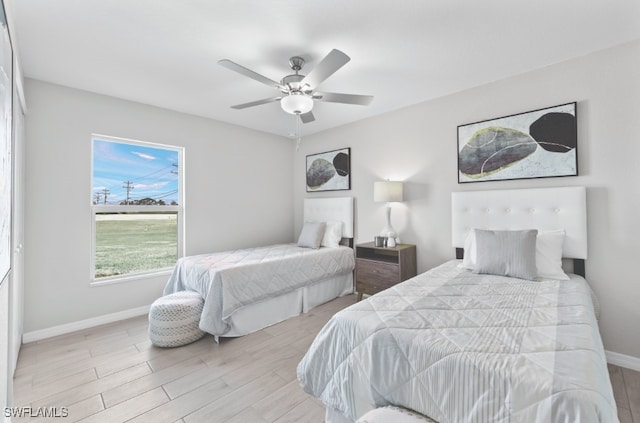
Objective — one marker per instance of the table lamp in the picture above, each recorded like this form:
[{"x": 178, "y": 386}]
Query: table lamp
[{"x": 388, "y": 192}]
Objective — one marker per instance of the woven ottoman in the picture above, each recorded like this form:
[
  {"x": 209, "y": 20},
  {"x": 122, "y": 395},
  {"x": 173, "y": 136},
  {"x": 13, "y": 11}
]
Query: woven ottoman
[
  {"x": 174, "y": 319},
  {"x": 391, "y": 414}
]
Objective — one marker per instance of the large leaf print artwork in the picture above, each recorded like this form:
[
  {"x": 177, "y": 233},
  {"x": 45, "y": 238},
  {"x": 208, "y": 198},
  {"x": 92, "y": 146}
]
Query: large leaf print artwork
[
  {"x": 537, "y": 144},
  {"x": 492, "y": 149}
]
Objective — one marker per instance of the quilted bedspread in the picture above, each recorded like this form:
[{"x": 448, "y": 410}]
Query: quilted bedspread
[
  {"x": 232, "y": 279},
  {"x": 460, "y": 347}
]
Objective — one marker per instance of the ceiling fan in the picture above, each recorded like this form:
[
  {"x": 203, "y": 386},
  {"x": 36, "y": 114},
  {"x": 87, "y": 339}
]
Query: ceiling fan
[{"x": 299, "y": 91}]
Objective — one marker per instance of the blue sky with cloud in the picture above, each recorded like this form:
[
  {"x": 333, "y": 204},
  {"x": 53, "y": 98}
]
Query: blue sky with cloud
[{"x": 152, "y": 171}]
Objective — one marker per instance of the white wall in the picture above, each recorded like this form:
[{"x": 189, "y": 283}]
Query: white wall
[
  {"x": 237, "y": 186},
  {"x": 419, "y": 144}
]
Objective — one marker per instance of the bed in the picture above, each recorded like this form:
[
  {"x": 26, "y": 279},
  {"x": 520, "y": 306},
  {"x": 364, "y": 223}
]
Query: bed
[
  {"x": 249, "y": 289},
  {"x": 459, "y": 346}
]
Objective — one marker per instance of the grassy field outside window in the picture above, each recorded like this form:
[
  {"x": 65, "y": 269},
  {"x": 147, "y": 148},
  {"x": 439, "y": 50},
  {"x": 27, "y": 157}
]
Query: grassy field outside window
[{"x": 137, "y": 242}]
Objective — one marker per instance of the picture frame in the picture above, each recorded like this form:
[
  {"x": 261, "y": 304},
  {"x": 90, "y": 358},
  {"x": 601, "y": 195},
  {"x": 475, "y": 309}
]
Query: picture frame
[
  {"x": 541, "y": 143},
  {"x": 6, "y": 162},
  {"x": 329, "y": 171}
]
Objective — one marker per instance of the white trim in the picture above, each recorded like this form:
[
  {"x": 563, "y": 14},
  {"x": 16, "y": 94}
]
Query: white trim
[
  {"x": 17, "y": 67},
  {"x": 38, "y": 335},
  {"x": 130, "y": 277},
  {"x": 112, "y": 208},
  {"x": 622, "y": 360}
]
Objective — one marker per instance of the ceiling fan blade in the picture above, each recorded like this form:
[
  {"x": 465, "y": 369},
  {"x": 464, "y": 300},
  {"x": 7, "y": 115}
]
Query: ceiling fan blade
[
  {"x": 362, "y": 100},
  {"x": 307, "y": 117},
  {"x": 256, "y": 103},
  {"x": 327, "y": 67},
  {"x": 251, "y": 74}
]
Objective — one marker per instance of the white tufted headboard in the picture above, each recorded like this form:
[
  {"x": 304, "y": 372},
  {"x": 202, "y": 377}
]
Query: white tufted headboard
[
  {"x": 333, "y": 208},
  {"x": 534, "y": 208}
]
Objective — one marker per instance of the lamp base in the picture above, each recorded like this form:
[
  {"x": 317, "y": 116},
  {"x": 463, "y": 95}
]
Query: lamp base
[{"x": 388, "y": 230}]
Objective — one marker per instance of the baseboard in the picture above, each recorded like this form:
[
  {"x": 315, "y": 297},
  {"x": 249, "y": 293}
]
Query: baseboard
[
  {"x": 38, "y": 335},
  {"x": 622, "y": 360}
]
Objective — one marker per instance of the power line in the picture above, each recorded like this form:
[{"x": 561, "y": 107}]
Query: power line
[
  {"x": 167, "y": 194},
  {"x": 153, "y": 173}
]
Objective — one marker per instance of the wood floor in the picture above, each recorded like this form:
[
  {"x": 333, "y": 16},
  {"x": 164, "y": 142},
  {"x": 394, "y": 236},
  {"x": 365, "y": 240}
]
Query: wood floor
[
  {"x": 112, "y": 374},
  {"x": 626, "y": 390}
]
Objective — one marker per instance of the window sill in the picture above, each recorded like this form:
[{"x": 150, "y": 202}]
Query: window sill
[{"x": 132, "y": 277}]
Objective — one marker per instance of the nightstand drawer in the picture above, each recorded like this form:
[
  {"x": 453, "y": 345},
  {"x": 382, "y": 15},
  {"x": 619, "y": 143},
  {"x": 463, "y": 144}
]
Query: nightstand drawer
[
  {"x": 385, "y": 274},
  {"x": 371, "y": 288},
  {"x": 379, "y": 268}
]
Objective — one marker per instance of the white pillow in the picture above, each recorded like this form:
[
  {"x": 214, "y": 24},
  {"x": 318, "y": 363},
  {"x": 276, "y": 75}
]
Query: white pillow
[
  {"x": 548, "y": 254},
  {"x": 470, "y": 253},
  {"x": 332, "y": 234},
  {"x": 311, "y": 234},
  {"x": 507, "y": 253}
]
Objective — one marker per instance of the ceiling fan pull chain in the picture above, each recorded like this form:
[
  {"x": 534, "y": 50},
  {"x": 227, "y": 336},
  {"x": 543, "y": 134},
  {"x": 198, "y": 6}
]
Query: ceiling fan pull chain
[{"x": 297, "y": 118}]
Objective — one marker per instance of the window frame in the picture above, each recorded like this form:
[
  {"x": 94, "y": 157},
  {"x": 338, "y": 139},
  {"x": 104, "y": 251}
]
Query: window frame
[{"x": 96, "y": 209}]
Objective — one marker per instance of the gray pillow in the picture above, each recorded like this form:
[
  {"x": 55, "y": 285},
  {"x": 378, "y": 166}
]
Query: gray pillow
[
  {"x": 507, "y": 253},
  {"x": 311, "y": 235}
]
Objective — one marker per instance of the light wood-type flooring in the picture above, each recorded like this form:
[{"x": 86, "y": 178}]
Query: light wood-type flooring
[{"x": 112, "y": 374}]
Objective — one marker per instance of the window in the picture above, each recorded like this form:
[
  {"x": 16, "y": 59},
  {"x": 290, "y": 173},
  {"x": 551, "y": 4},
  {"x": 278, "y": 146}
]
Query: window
[{"x": 137, "y": 211}]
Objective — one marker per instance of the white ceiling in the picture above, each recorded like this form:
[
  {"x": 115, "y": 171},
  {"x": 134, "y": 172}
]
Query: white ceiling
[{"x": 165, "y": 52}]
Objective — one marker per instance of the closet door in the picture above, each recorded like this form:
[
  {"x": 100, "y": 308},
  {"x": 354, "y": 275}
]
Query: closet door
[{"x": 16, "y": 286}]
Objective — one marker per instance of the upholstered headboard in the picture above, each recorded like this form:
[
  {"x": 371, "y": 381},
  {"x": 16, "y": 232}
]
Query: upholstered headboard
[
  {"x": 334, "y": 208},
  {"x": 535, "y": 208}
]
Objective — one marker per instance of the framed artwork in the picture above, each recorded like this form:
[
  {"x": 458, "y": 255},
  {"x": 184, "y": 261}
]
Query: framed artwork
[
  {"x": 6, "y": 186},
  {"x": 537, "y": 144},
  {"x": 329, "y": 171}
]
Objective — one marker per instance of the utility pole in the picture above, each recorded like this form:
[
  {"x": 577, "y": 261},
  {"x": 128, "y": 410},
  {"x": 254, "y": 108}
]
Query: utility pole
[
  {"x": 97, "y": 200},
  {"x": 105, "y": 193},
  {"x": 128, "y": 185}
]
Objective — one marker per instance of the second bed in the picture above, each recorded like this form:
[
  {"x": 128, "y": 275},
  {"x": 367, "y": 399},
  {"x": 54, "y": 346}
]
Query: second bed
[
  {"x": 248, "y": 289},
  {"x": 460, "y": 345}
]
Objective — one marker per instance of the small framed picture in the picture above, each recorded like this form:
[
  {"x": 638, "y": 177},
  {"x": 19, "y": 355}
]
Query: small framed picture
[{"x": 329, "y": 171}]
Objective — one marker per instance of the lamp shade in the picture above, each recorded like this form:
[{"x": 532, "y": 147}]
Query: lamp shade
[
  {"x": 296, "y": 103},
  {"x": 387, "y": 191}
]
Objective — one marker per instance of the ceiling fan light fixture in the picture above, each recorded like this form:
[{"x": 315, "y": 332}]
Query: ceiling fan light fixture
[
  {"x": 297, "y": 91},
  {"x": 296, "y": 103}
]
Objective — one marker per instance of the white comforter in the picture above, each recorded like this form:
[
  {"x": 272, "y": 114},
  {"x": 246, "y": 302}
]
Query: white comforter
[
  {"x": 232, "y": 279},
  {"x": 460, "y": 347}
]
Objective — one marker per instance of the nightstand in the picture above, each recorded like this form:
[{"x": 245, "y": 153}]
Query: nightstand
[{"x": 378, "y": 268}]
